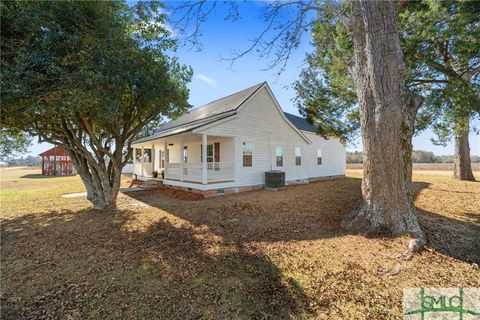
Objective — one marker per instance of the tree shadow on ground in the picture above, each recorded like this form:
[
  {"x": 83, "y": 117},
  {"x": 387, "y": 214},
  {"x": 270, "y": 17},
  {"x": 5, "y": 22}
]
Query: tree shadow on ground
[
  {"x": 314, "y": 213},
  {"x": 40, "y": 176},
  {"x": 452, "y": 237},
  {"x": 195, "y": 260},
  {"x": 87, "y": 264}
]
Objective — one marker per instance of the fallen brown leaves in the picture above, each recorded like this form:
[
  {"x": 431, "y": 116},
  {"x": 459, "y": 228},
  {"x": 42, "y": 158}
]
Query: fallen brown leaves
[
  {"x": 179, "y": 193},
  {"x": 258, "y": 255}
]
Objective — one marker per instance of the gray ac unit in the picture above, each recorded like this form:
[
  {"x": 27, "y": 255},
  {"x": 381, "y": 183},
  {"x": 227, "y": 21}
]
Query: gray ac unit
[{"x": 275, "y": 179}]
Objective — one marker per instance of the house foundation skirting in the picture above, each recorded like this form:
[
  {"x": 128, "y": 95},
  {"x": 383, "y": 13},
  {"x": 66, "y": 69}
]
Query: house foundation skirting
[
  {"x": 315, "y": 179},
  {"x": 232, "y": 190},
  {"x": 218, "y": 192}
]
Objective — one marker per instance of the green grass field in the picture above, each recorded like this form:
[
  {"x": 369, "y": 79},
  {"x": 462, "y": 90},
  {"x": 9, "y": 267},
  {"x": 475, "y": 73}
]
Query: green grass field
[{"x": 258, "y": 255}]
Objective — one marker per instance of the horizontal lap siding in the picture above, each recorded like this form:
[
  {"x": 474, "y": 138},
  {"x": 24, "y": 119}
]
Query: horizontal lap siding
[
  {"x": 333, "y": 156},
  {"x": 260, "y": 122}
]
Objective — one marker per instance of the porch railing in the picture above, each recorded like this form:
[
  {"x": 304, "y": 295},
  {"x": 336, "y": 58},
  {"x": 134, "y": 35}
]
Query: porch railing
[
  {"x": 220, "y": 171},
  {"x": 172, "y": 171},
  {"x": 216, "y": 171},
  {"x": 147, "y": 169}
]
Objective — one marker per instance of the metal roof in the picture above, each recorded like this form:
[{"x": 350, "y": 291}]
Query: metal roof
[
  {"x": 216, "y": 110},
  {"x": 208, "y": 113},
  {"x": 300, "y": 123}
]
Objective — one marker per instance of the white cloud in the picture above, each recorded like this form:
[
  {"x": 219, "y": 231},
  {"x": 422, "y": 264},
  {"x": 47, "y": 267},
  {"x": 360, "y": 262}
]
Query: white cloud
[{"x": 206, "y": 79}]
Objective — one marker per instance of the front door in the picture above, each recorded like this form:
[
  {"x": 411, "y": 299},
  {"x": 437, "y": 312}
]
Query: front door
[{"x": 213, "y": 156}]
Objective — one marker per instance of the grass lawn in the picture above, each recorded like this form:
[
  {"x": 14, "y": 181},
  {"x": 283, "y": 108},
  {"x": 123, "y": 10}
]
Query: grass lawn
[{"x": 258, "y": 255}]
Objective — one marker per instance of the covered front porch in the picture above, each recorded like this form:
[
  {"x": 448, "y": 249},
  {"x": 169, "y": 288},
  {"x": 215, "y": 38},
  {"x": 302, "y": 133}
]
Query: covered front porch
[{"x": 186, "y": 157}]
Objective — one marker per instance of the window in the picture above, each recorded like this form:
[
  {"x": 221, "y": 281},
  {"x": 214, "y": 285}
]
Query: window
[
  {"x": 161, "y": 156},
  {"x": 247, "y": 154},
  {"x": 298, "y": 156},
  {"x": 138, "y": 154},
  {"x": 319, "y": 156},
  {"x": 210, "y": 154},
  {"x": 185, "y": 154},
  {"x": 279, "y": 156},
  {"x": 147, "y": 155}
]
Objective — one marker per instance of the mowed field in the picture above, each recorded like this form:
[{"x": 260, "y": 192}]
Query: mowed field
[
  {"x": 257, "y": 255},
  {"x": 426, "y": 168}
]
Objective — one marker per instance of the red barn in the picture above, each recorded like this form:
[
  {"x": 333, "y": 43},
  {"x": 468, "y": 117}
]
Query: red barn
[{"x": 56, "y": 162}]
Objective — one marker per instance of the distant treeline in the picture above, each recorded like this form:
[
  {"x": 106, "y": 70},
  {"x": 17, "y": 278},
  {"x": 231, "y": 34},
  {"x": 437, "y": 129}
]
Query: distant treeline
[
  {"x": 25, "y": 161},
  {"x": 418, "y": 156}
]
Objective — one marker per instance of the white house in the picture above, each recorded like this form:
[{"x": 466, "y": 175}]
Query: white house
[{"x": 228, "y": 144}]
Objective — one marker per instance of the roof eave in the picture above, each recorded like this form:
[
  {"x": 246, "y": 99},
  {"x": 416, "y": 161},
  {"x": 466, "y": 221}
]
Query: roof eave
[{"x": 216, "y": 118}]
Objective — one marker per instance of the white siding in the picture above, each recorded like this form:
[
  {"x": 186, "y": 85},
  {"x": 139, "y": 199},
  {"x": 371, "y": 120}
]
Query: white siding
[
  {"x": 194, "y": 149},
  {"x": 260, "y": 122},
  {"x": 333, "y": 156}
]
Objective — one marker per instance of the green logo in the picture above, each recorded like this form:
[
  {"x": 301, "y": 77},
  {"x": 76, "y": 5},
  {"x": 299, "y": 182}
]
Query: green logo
[{"x": 447, "y": 303}]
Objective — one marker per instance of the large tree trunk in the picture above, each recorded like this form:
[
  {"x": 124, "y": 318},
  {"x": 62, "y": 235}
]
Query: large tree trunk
[
  {"x": 101, "y": 182},
  {"x": 463, "y": 165},
  {"x": 386, "y": 118}
]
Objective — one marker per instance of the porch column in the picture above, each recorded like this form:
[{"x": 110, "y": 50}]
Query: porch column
[
  {"x": 152, "y": 154},
  {"x": 134, "y": 155},
  {"x": 235, "y": 156},
  {"x": 165, "y": 159},
  {"x": 142, "y": 161},
  {"x": 181, "y": 160},
  {"x": 204, "y": 159}
]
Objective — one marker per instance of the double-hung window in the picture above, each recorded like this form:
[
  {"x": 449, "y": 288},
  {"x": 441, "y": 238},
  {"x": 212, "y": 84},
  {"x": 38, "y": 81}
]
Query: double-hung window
[
  {"x": 298, "y": 156},
  {"x": 279, "y": 156},
  {"x": 247, "y": 154}
]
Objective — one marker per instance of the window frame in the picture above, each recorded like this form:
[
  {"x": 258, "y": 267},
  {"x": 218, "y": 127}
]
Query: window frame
[
  {"x": 298, "y": 158},
  {"x": 185, "y": 154},
  {"x": 138, "y": 155},
  {"x": 247, "y": 154},
  {"x": 147, "y": 155},
  {"x": 281, "y": 157},
  {"x": 212, "y": 156},
  {"x": 319, "y": 157}
]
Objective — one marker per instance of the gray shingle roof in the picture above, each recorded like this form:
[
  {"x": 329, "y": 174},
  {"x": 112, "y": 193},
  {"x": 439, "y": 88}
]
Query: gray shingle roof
[
  {"x": 213, "y": 111},
  {"x": 300, "y": 123}
]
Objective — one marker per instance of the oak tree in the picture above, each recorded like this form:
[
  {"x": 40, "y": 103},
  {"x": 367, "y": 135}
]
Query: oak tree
[
  {"x": 386, "y": 110},
  {"x": 88, "y": 76},
  {"x": 442, "y": 54}
]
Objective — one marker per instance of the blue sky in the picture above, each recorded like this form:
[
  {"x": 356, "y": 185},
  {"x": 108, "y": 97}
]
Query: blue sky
[{"x": 213, "y": 77}]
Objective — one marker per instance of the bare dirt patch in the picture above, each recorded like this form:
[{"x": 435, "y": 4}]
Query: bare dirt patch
[{"x": 178, "y": 193}]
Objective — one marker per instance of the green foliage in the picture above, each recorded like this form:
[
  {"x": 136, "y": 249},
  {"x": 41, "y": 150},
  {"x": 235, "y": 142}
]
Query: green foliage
[
  {"x": 88, "y": 76},
  {"x": 418, "y": 156},
  {"x": 355, "y": 157},
  {"x": 25, "y": 161},
  {"x": 325, "y": 92},
  {"x": 150, "y": 127},
  {"x": 93, "y": 69},
  {"x": 440, "y": 41},
  {"x": 442, "y": 54},
  {"x": 12, "y": 142}
]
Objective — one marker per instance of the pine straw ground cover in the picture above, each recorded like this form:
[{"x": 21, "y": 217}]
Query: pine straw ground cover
[{"x": 259, "y": 255}]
